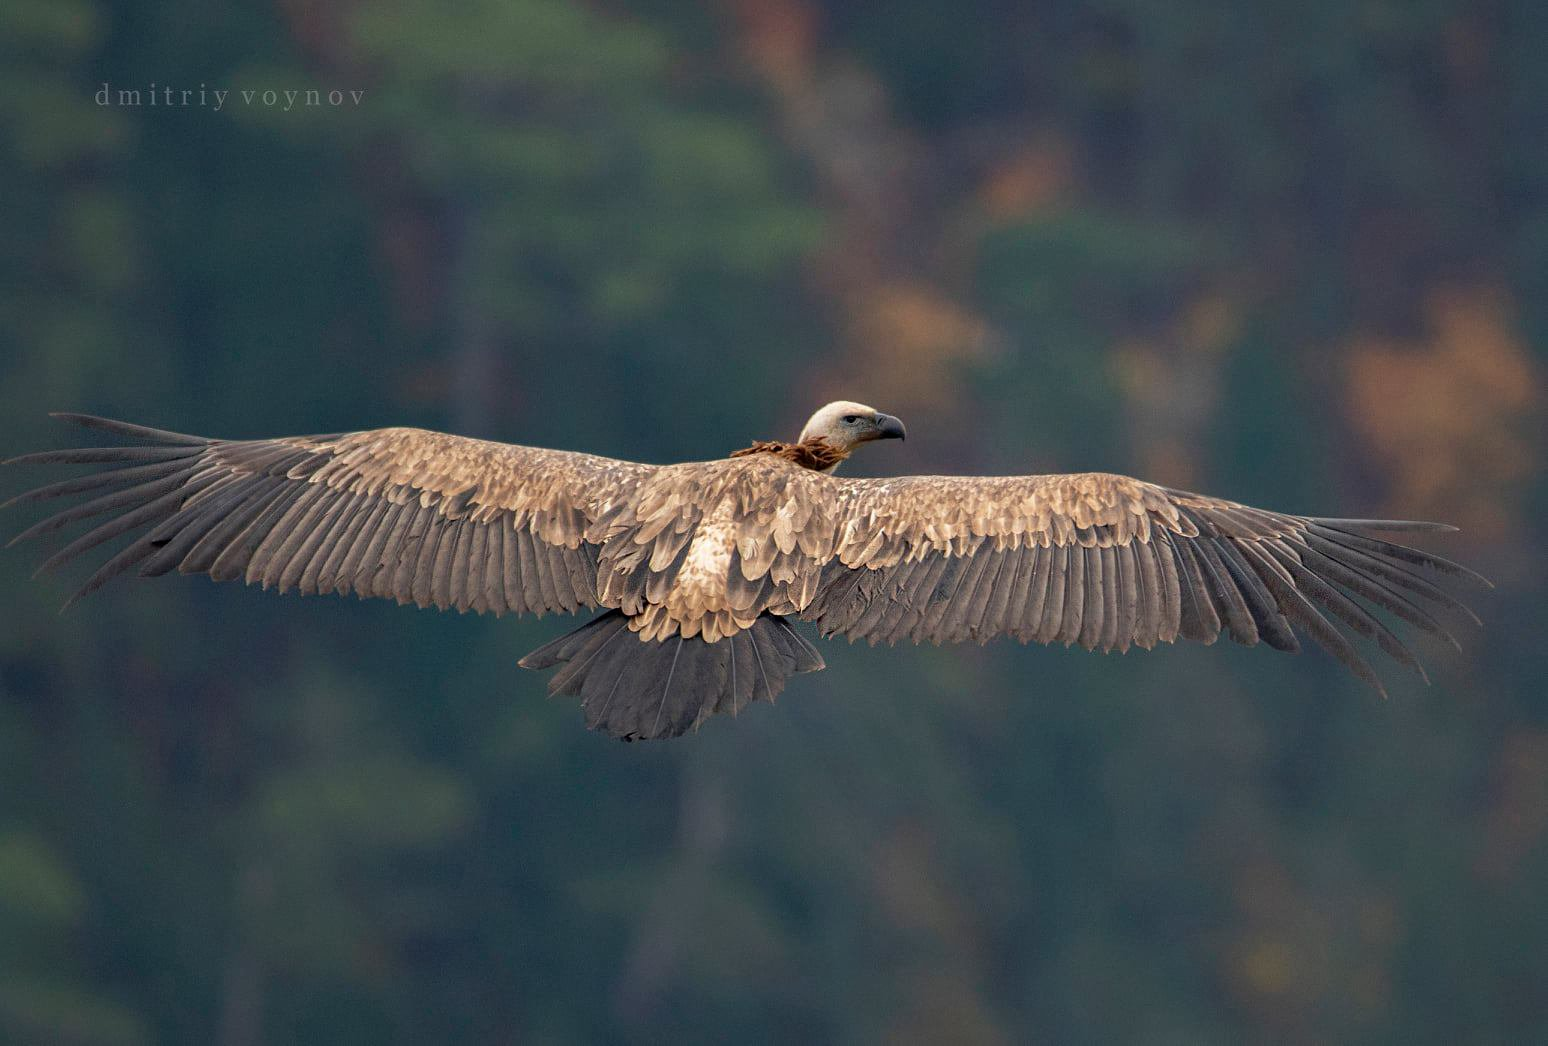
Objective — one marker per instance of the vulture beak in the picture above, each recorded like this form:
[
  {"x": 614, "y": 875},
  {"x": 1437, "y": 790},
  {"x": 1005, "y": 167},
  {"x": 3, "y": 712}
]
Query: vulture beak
[{"x": 888, "y": 427}]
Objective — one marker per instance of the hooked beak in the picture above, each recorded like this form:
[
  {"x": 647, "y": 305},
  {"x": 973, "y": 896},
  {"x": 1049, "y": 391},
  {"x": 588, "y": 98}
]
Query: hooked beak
[{"x": 888, "y": 427}]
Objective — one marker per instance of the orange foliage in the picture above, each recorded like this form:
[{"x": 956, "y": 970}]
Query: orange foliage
[
  {"x": 1450, "y": 418},
  {"x": 908, "y": 341},
  {"x": 779, "y": 37},
  {"x": 1029, "y": 180}
]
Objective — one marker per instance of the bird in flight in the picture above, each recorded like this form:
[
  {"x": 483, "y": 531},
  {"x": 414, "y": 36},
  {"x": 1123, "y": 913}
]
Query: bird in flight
[{"x": 699, "y": 568}]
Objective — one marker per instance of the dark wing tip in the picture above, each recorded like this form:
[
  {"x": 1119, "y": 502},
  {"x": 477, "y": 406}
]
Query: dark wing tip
[
  {"x": 128, "y": 429},
  {"x": 1386, "y": 526},
  {"x": 1361, "y": 530}
]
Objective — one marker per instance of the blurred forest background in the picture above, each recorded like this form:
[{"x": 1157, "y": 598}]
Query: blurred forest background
[{"x": 1290, "y": 253}]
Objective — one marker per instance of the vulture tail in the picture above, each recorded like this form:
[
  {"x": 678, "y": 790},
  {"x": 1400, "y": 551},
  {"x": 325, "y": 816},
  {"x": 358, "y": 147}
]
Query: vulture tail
[{"x": 647, "y": 689}]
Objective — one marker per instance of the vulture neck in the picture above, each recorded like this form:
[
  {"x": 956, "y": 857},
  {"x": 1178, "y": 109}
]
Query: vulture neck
[{"x": 815, "y": 453}]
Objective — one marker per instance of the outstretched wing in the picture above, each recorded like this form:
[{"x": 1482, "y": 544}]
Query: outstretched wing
[
  {"x": 1107, "y": 561},
  {"x": 398, "y": 513}
]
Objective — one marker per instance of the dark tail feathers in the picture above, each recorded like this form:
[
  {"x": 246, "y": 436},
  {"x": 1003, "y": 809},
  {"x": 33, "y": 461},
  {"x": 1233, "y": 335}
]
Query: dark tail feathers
[{"x": 638, "y": 690}]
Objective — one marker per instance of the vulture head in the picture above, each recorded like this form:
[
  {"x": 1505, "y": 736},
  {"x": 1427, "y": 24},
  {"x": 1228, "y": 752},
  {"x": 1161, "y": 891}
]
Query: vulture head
[{"x": 845, "y": 425}]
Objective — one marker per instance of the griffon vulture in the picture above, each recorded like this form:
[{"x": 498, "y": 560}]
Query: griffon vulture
[{"x": 700, "y": 567}]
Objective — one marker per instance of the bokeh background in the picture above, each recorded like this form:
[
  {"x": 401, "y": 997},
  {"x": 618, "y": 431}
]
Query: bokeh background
[{"x": 1292, "y": 253}]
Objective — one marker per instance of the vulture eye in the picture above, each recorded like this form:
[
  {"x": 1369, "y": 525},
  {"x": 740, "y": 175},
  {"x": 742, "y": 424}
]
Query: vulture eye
[{"x": 850, "y": 419}]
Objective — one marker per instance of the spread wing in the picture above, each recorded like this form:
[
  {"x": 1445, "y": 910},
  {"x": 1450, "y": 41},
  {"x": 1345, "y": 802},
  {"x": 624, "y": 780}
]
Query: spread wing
[
  {"x": 1107, "y": 561},
  {"x": 398, "y": 513}
]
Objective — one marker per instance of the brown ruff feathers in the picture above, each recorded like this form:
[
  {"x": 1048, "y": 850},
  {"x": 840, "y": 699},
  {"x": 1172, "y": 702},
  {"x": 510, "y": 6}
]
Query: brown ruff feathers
[{"x": 816, "y": 454}]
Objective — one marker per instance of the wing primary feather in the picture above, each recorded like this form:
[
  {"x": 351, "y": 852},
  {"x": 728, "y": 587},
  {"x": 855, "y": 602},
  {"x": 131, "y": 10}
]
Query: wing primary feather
[
  {"x": 1270, "y": 622},
  {"x": 104, "y": 480},
  {"x": 104, "y": 455},
  {"x": 1381, "y": 526},
  {"x": 138, "y": 494},
  {"x": 152, "y": 511},
  {"x": 130, "y": 430},
  {"x": 1200, "y": 621},
  {"x": 125, "y": 559},
  {"x": 1228, "y": 599},
  {"x": 1299, "y": 609},
  {"x": 181, "y": 532},
  {"x": 1333, "y": 548},
  {"x": 1346, "y": 609},
  {"x": 1404, "y": 553},
  {"x": 1362, "y": 584}
]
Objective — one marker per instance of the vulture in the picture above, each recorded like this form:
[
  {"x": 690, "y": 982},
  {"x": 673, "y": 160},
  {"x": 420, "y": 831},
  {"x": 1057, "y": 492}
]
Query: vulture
[{"x": 699, "y": 569}]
